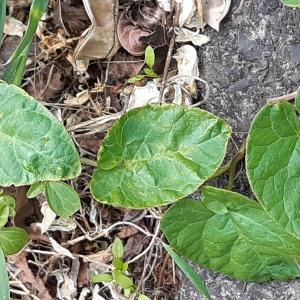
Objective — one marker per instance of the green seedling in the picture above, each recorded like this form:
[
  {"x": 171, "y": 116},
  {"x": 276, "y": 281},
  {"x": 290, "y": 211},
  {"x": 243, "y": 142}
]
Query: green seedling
[{"x": 148, "y": 71}]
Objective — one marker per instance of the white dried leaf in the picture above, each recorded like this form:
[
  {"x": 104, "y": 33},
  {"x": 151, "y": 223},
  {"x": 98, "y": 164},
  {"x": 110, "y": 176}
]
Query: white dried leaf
[
  {"x": 143, "y": 95},
  {"x": 12, "y": 26},
  {"x": 214, "y": 12},
  {"x": 80, "y": 98},
  {"x": 48, "y": 217},
  {"x": 186, "y": 35},
  {"x": 66, "y": 288},
  {"x": 95, "y": 293},
  {"x": 187, "y": 10},
  {"x": 166, "y": 5},
  {"x": 187, "y": 64},
  {"x": 59, "y": 249}
]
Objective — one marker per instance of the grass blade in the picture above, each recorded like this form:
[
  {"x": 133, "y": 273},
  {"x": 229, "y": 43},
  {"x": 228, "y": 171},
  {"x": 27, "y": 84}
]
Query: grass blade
[
  {"x": 4, "y": 282},
  {"x": 38, "y": 7},
  {"x": 2, "y": 18},
  {"x": 188, "y": 271}
]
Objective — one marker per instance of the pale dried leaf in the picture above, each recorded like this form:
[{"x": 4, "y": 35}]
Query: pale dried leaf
[
  {"x": 62, "y": 224},
  {"x": 80, "y": 98},
  {"x": 66, "y": 288},
  {"x": 59, "y": 249},
  {"x": 12, "y": 26},
  {"x": 214, "y": 12},
  {"x": 184, "y": 35},
  {"x": 166, "y": 5},
  {"x": 187, "y": 10},
  {"x": 143, "y": 95},
  {"x": 48, "y": 217},
  {"x": 100, "y": 40},
  {"x": 187, "y": 64}
]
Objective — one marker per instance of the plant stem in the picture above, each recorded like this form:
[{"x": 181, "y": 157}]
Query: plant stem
[
  {"x": 287, "y": 97},
  {"x": 88, "y": 162},
  {"x": 238, "y": 156},
  {"x": 2, "y": 18}
]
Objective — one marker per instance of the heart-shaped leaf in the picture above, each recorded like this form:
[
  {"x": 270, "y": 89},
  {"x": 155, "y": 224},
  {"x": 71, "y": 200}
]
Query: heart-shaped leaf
[
  {"x": 291, "y": 3},
  {"x": 62, "y": 198},
  {"x": 273, "y": 163},
  {"x": 12, "y": 240},
  {"x": 34, "y": 146},
  {"x": 230, "y": 233},
  {"x": 157, "y": 154}
]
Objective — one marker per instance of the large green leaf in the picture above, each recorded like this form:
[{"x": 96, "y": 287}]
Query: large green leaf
[
  {"x": 12, "y": 240},
  {"x": 4, "y": 283},
  {"x": 232, "y": 234},
  {"x": 62, "y": 198},
  {"x": 291, "y": 3},
  {"x": 34, "y": 146},
  {"x": 156, "y": 155},
  {"x": 273, "y": 163}
]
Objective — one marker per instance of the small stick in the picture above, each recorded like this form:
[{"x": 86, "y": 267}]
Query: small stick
[
  {"x": 170, "y": 51},
  {"x": 287, "y": 97}
]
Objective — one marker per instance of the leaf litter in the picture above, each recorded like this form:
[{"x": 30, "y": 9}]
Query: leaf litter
[{"x": 78, "y": 67}]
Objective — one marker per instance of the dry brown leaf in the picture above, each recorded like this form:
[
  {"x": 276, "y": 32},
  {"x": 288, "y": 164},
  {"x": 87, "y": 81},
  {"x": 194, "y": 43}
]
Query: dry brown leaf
[
  {"x": 48, "y": 84},
  {"x": 102, "y": 257},
  {"x": 127, "y": 231},
  {"x": 99, "y": 40},
  {"x": 135, "y": 246},
  {"x": 26, "y": 277},
  {"x": 214, "y": 12},
  {"x": 89, "y": 142}
]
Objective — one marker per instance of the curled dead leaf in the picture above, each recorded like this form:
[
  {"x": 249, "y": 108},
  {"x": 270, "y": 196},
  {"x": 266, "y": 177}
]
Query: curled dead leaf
[
  {"x": 99, "y": 40},
  {"x": 13, "y": 26},
  {"x": 214, "y": 12}
]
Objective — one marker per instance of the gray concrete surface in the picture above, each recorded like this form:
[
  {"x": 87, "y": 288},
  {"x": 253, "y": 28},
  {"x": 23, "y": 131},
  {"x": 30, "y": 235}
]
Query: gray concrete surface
[{"x": 255, "y": 56}]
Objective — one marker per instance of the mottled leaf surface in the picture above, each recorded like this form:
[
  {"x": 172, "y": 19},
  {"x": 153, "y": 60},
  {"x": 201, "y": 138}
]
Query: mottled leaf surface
[
  {"x": 273, "y": 164},
  {"x": 34, "y": 146},
  {"x": 156, "y": 155},
  {"x": 291, "y": 3},
  {"x": 12, "y": 240},
  {"x": 232, "y": 234}
]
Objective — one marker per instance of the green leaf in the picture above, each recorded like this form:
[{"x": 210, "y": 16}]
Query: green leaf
[
  {"x": 273, "y": 166},
  {"x": 157, "y": 154},
  {"x": 242, "y": 241},
  {"x": 136, "y": 78},
  {"x": 2, "y": 18},
  {"x": 118, "y": 263},
  {"x": 188, "y": 271},
  {"x": 291, "y": 3},
  {"x": 101, "y": 278},
  {"x": 12, "y": 240},
  {"x": 18, "y": 59},
  {"x": 122, "y": 280},
  {"x": 4, "y": 282},
  {"x": 149, "y": 57},
  {"x": 297, "y": 100},
  {"x": 34, "y": 146},
  {"x": 143, "y": 297},
  {"x": 62, "y": 198},
  {"x": 118, "y": 249},
  {"x": 35, "y": 189},
  {"x": 150, "y": 73},
  {"x": 7, "y": 208}
]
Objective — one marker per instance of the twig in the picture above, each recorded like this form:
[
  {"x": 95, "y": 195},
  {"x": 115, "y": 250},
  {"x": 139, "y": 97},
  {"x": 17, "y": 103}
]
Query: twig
[
  {"x": 287, "y": 97},
  {"x": 170, "y": 51},
  {"x": 149, "y": 246}
]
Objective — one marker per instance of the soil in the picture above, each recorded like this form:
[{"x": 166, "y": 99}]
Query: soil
[{"x": 255, "y": 56}]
